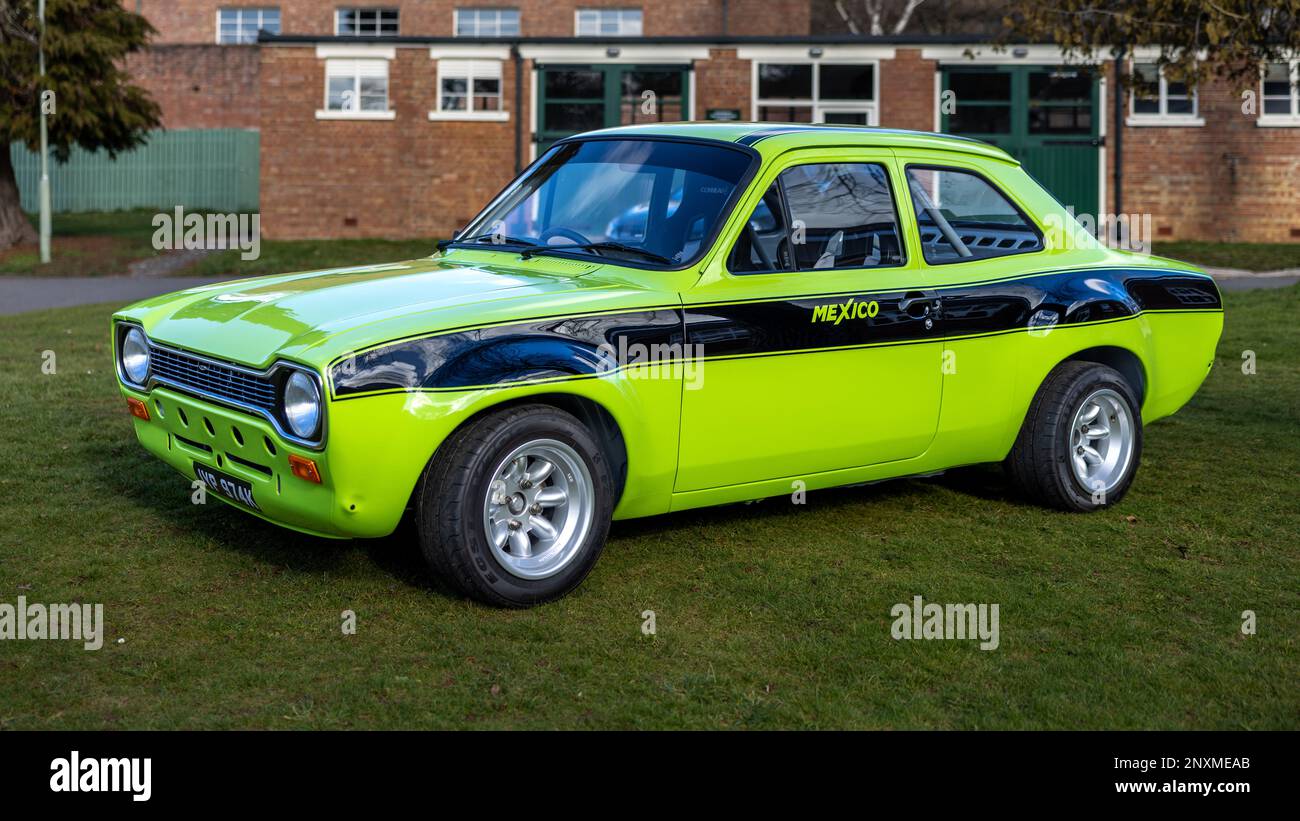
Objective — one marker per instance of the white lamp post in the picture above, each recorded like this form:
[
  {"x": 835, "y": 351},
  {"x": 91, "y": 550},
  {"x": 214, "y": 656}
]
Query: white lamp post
[{"x": 45, "y": 151}]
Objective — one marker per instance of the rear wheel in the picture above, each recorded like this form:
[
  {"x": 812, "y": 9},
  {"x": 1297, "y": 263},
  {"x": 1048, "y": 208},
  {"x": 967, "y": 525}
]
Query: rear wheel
[
  {"x": 514, "y": 509},
  {"x": 1081, "y": 440}
]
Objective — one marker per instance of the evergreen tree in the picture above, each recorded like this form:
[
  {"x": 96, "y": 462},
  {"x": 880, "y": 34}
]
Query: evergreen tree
[{"x": 93, "y": 103}]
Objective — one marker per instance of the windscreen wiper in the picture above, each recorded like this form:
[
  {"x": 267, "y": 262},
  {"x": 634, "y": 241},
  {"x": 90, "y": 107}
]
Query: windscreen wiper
[
  {"x": 496, "y": 239},
  {"x": 598, "y": 247}
]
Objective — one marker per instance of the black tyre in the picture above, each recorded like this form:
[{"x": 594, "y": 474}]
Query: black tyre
[
  {"x": 514, "y": 508},
  {"x": 1081, "y": 440}
]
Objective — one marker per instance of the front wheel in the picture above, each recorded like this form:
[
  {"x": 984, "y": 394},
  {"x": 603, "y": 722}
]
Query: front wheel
[
  {"x": 1081, "y": 440},
  {"x": 514, "y": 508}
]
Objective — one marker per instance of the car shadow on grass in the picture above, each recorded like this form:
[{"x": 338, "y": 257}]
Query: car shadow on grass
[
  {"x": 983, "y": 482},
  {"x": 986, "y": 482},
  {"x": 398, "y": 555},
  {"x": 163, "y": 494},
  {"x": 157, "y": 488}
]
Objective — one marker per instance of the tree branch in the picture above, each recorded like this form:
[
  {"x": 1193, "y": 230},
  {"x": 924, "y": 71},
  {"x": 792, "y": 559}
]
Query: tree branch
[{"x": 906, "y": 16}]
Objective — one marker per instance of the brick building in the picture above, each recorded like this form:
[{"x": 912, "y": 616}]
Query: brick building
[{"x": 404, "y": 118}]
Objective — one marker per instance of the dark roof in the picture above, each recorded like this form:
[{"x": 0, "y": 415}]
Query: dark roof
[{"x": 719, "y": 39}]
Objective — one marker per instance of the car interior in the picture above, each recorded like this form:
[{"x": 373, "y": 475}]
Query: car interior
[{"x": 840, "y": 215}]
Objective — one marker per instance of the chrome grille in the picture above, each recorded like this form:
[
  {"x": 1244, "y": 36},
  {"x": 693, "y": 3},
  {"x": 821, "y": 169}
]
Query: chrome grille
[{"x": 221, "y": 382}]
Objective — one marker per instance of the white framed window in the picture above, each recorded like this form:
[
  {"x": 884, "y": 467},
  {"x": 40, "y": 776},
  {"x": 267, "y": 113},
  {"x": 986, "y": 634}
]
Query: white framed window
[
  {"x": 817, "y": 92},
  {"x": 607, "y": 22},
  {"x": 241, "y": 25},
  {"x": 469, "y": 90},
  {"x": 1279, "y": 99},
  {"x": 1154, "y": 99},
  {"x": 366, "y": 22},
  {"x": 486, "y": 22},
  {"x": 356, "y": 90}
]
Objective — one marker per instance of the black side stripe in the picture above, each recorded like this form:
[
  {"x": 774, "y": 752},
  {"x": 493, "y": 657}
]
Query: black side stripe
[
  {"x": 731, "y": 357},
  {"x": 1139, "y": 273},
  {"x": 559, "y": 348},
  {"x": 977, "y": 283}
]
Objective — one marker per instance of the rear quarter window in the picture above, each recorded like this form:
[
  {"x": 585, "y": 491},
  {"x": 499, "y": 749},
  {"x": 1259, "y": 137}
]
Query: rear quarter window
[{"x": 962, "y": 217}]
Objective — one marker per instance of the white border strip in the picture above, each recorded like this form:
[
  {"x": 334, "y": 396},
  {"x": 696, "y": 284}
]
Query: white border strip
[
  {"x": 356, "y": 51},
  {"x": 468, "y": 51},
  {"x": 803, "y": 53},
  {"x": 626, "y": 54}
]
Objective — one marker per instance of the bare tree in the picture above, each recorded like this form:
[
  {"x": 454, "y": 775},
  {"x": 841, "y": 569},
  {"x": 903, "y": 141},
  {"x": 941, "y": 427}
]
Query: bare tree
[
  {"x": 877, "y": 13},
  {"x": 973, "y": 18}
]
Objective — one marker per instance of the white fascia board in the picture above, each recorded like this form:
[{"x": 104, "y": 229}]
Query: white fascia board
[
  {"x": 800, "y": 53},
  {"x": 626, "y": 54}
]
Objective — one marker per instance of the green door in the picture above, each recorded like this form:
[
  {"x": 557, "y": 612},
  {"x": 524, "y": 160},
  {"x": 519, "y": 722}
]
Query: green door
[
  {"x": 576, "y": 98},
  {"x": 1045, "y": 116}
]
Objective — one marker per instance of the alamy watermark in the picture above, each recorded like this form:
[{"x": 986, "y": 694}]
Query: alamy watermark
[
  {"x": 128, "y": 775},
  {"x": 658, "y": 360},
  {"x": 1123, "y": 232},
  {"x": 918, "y": 620},
  {"x": 178, "y": 231},
  {"x": 69, "y": 622}
]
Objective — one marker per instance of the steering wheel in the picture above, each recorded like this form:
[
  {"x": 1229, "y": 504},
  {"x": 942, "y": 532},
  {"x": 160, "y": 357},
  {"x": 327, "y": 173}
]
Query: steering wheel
[{"x": 561, "y": 231}]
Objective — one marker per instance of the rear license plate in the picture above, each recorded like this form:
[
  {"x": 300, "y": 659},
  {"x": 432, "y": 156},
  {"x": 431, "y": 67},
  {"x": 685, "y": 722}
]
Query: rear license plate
[{"x": 223, "y": 484}]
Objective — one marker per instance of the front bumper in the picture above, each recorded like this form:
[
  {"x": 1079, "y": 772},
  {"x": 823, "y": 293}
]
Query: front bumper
[{"x": 182, "y": 430}]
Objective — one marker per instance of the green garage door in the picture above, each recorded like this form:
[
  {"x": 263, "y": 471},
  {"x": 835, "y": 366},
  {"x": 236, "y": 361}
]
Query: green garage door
[
  {"x": 576, "y": 98},
  {"x": 1047, "y": 117}
]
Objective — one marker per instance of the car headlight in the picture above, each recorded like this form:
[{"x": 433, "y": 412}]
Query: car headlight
[
  {"x": 135, "y": 356},
  {"x": 302, "y": 405}
]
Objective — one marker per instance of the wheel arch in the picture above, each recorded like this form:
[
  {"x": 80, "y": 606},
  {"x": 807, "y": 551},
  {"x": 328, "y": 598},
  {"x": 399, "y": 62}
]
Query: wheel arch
[
  {"x": 1128, "y": 363},
  {"x": 594, "y": 415}
]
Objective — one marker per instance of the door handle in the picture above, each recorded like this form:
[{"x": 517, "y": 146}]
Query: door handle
[{"x": 917, "y": 304}]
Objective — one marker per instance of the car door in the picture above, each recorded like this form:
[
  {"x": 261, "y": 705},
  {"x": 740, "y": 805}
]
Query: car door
[{"x": 821, "y": 343}]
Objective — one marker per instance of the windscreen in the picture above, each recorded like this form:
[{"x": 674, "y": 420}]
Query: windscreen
[{"x": 664, "y": 198}]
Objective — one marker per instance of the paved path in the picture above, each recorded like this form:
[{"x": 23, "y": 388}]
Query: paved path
[
  {"x": 20, "y": 294},
  {"x": 1236, "y": 279}
]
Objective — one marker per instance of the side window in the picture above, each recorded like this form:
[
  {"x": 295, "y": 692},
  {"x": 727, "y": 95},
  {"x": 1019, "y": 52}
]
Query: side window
[
  {"x": 962, "y": 217},
  {"x": 764, "y": 245},
  {"x": 839, "y": 215}
]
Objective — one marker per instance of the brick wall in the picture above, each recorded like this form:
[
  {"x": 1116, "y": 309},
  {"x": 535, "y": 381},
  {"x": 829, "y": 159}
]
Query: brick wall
[
  {"x": 906, "y": 87},
  {"x": 1228, "y": 180},
  {"x": 405, "y": 177},
  {"x": 723, "y": 81},
  {"x": 197, "y": 86},
  {"x": 768, "y": 17},
  {"x": 907, "y": 90},
  {"x": 194, "y": 21}
]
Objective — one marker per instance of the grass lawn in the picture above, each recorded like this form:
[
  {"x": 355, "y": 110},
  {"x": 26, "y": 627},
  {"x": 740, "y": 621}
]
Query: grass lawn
[
  {"x": 287, "y": 256},
  {"x": 105, "y": 243},
  {"x": 1252, "y": 256},
  {"x": 769, "y": 615},
  {"x": 86, "y": 245}
]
